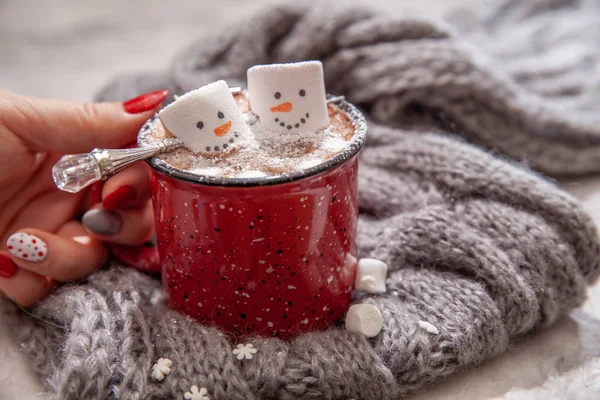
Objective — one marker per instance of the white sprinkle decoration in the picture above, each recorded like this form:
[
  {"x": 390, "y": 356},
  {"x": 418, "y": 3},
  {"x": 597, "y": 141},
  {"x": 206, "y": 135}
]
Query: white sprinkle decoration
[
  {"x": 196, "y": 394},
  {"x": 291, "y": 287},
  {"x": 199, "y": 305},
  {"x": 270, "y": 324},
  {"x": 161, "y": 369},
  {"x": 304, "y": 321},
  {"x": 244, "y": 351},
  {"x": 428, "y": 327},
  {"x": 222, "y": 206}
]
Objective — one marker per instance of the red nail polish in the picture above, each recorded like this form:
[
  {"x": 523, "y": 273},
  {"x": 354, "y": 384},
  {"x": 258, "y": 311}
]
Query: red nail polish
[
  {"x": 120, "y": 198},
  {"x": 145, "y": 102},
  {"x": 96, "y": 192},
  {"x": 8, "y": 268}
]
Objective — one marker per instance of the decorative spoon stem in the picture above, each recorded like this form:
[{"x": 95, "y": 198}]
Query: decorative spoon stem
[{"x": 74, "y": 172}]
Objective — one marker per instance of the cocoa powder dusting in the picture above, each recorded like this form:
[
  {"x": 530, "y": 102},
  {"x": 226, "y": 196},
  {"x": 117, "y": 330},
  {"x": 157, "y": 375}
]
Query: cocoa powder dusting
[{"x": 265, "y": 153}]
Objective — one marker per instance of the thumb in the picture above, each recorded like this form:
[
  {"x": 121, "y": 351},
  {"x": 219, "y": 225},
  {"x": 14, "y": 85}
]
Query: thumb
[{"x": 74, "y": 127}]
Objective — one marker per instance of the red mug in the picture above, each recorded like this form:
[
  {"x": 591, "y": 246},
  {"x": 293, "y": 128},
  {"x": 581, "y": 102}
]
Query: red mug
[{"x": 273, "y": 256}]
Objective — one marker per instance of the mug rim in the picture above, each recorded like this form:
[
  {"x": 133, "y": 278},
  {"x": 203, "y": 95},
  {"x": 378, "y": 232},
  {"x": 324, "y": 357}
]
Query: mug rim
[{"x": 360, "y": 134}]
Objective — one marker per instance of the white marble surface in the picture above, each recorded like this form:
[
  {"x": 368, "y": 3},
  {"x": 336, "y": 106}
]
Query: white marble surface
[{"x": 40, "y": 56}]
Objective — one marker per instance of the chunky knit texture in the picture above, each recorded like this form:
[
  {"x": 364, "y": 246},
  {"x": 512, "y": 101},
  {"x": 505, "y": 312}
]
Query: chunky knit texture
[{"x": 481, "y": 247}]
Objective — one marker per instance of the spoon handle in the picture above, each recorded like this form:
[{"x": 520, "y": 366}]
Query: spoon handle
[{"x": 74, "y": 172}]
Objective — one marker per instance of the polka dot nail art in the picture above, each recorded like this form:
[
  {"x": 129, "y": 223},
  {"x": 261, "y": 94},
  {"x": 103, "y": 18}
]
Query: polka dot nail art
[{"x": 27, "y": 247}]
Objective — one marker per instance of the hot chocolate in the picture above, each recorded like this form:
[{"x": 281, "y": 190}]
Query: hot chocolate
[
  {"x": 262, "y": 151},
  {"x": 256, "y": 217}
]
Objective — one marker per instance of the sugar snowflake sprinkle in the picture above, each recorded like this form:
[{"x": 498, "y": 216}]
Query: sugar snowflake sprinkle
[
  {"x": 196, "y": 394},
  {"x": 161, "y": 369},
  {"x": 429, "y": 327},
  {"x": 244, "y": 351}
]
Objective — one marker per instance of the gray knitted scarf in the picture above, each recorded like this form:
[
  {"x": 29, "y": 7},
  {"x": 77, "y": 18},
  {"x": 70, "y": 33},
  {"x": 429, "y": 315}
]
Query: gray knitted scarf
[{"x": 478, "y": 245}]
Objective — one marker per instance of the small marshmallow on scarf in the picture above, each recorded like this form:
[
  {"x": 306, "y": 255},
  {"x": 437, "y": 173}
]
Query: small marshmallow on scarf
[
  {"x": 365, "y": 319},
  {"x": 371, "y": 275},
  {"x": 206, "y": 119},
  {"x": 289, "y": 97}
]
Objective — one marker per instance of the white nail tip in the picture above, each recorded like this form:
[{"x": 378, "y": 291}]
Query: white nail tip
[
  {"x": 27, "y": 247},
  {"x": 371, "y": 275},
  {"x": 85, "y": 240},
  {"x": 365, "y": 319}
]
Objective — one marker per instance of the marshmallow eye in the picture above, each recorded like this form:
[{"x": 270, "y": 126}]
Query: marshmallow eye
[
  {"x": 200, "y": 125},
  {"x": 220, "y": 115},
  {"x": 277, "y": 95},
  {"x": 302, "y": 92}
]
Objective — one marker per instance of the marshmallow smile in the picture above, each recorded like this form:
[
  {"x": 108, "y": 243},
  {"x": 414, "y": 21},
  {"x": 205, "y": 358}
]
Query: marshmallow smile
[
  {"x": 224, "y": 146},
  {"x": 283, "y": 124}
]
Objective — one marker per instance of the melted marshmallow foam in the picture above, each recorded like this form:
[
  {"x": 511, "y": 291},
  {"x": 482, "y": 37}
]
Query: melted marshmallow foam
[{"x": 263, "y": 152}]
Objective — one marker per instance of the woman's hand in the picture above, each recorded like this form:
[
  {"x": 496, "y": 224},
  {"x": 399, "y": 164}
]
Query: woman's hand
[{"x": 41, "y": 238}]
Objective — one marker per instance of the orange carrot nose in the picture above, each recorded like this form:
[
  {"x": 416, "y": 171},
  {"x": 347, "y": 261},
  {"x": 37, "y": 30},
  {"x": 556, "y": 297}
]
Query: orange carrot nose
[
  {"x": 223, "y": 129},
  {"x": 283, "y": 107}
]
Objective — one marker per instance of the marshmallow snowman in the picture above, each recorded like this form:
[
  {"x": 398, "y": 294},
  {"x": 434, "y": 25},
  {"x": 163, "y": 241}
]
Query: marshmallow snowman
[
  {"x": 289, "y": 97},
  {"x": 206, "y": 119}
]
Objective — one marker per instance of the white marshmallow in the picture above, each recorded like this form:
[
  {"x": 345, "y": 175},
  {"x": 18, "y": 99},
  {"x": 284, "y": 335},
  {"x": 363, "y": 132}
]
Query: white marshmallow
[
  {"x": 365, "y": 319},
  {"x": 206, "y": 119},
  {"x": 289, "y": 97},
  {"x": 371, "y": 275}
]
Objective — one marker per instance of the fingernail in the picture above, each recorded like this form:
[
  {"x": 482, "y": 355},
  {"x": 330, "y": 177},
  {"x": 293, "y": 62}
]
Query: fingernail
[
  {"x": 145, "y": 102},
  {"x": 102, "y": 222},
  {"x": 120, "y": 198},
  {"x": 27, "y": 247},
  {"x": 8, "y": 268},
  {"x": 85, "y": 240}
]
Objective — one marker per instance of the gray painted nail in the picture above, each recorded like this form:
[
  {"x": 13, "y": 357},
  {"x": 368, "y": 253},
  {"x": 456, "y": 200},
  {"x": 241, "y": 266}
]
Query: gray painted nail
[{"x": 102, "y": 222}]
